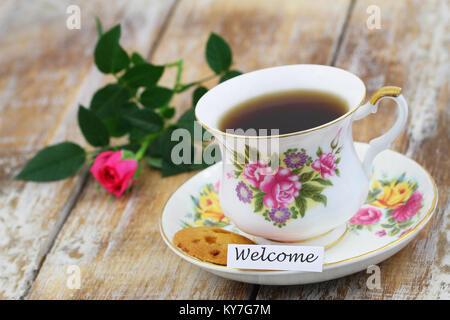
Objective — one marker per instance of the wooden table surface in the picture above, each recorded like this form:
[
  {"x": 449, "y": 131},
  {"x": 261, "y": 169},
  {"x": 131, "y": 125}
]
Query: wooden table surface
[{"x": 47, "y": 70}]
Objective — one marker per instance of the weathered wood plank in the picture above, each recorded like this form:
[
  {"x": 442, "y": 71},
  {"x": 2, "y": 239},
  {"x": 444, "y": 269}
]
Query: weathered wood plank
[
  {"x": 46, "y": 70},
  {"x": 411, "y": 51},
  {"x": 116, "y": 243}
]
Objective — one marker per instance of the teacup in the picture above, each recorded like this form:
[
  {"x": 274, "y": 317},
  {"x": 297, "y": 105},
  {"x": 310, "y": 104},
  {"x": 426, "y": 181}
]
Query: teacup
[{"x": 318, "y": 182}]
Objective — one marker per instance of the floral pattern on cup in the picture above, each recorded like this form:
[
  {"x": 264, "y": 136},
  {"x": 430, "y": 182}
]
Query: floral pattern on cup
[
  {"x": 383, "y": 214},
  {"x": 207, "y": 210},
  {"x": 392, "y": 207},
  {"x": 286, "y": 191}
]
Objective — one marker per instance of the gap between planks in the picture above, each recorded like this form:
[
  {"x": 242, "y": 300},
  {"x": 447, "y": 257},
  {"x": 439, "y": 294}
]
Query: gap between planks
[
  {"x": 83, "y": 177},
  {"x": 337, "y": 49}
]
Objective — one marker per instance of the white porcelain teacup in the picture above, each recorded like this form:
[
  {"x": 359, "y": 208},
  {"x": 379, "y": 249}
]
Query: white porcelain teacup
[{"x": 318, "y": 183}]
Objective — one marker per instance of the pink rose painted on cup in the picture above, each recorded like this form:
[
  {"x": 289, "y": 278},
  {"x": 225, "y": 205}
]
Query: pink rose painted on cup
[
  {"x": 113, "y": 172},
  {"x": 409, "y": 209},
  {"x": 281, "y": 188},
  {"x": 255, "y": 173},
  {"x": 367, "y": 216},
  {"x": 326, "y": 164}
]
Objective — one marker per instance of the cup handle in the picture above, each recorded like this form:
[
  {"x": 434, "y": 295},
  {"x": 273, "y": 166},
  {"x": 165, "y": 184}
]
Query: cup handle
[{"x": 382, "y": 142}]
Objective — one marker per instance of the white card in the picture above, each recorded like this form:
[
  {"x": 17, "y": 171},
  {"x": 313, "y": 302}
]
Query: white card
[{"x": 275, "y": 257}]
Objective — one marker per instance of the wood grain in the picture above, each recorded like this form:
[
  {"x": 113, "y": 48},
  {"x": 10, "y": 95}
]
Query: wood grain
[
  {"x": 46, "y": 70},
  {"x": 411, "y": 51},
  {"x": 116, "y": 243}
]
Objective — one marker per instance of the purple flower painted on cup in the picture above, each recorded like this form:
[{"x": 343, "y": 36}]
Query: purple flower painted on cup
[
  {"x": 295, "y": 160},
  {"x": 326, "y": 164},
  {"x": 279, "y": 214},
  {"x": 280, "y": 188},
  {"x": 243, "y": 192},
  {"x": 255, "y": 172}
]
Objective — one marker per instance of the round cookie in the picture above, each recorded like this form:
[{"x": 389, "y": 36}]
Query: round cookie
[{"x": 208, "y": 243}]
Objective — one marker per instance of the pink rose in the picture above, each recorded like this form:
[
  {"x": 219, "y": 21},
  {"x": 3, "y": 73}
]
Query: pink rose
[
  {"x": 255, "y": 172},
  {"x": 113, "y": 172},
  {"x": 281, "y": 188},
  {"x": 367, "y": 216},
  {"x": 409, "y": 209},
  {"x": 325, "y": 164}
]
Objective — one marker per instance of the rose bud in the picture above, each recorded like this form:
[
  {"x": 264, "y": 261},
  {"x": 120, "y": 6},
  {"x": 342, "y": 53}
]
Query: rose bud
[{"x": 114, "y": 172}]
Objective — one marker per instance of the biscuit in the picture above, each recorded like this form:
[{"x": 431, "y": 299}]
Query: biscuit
[{"x": 208, "y": 243}]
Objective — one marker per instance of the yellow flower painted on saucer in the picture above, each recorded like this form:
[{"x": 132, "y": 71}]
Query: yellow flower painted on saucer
[
  {"x": 375, "y": 183},
  {"x": 394, "y": 195},
  {"x": 209, "y": 206}
]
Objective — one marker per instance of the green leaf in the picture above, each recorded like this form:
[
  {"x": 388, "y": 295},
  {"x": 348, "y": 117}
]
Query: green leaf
[
  {"x": 306, "y": 176},
  {"x": 405, "y": 224},
  {"x": 289, "y": 151},
  {"x": 142, "y": 75},
  {"x": 154, "y": 162},
  {"x": 338, "y": 173},
  {"x": 156, "y": 97},
  {"x": 393, "y": 232},
  {"x": 197, "y": 94},
  {"x": 402, "y": 177},
  {"x": 319, "y": 152},
  {"x": 117, "y": 125},
  {"x": 188, "y": 115},
  {"x": 145, "y": 120},
  {"x": 320, "y": 198},
  {"x": 300, "y": 202},
  {"x": 323, "y": 181},
  {"x": 392, "y": 220},
  {"x": 54, "y": 163},
  {"x": 259, "y": 199},
  {"x": 218, "y": 53},
  {"x": 109, "y": 56},
  {"x": 98, "y": 23},
  {"x": 137, "y": 59},
  {"x": 168, "y": 167},
  {"x": 294, "y": 212},
  {"x": 308, "y": 190},
  {"x": 238, "y": 167},
  {"x": 127, "y": 154},
  {"x": 107, "y": 101},
  {"x": 229, "y": 75},
  {"x": 137, "y": 135},
  {"x": 93, "y": 129},
  {"x": 167, "y": 112}
]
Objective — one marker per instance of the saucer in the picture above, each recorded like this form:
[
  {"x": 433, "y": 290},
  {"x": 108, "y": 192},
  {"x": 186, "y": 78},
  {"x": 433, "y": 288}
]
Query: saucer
[{"x": 402, "y": 199}]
